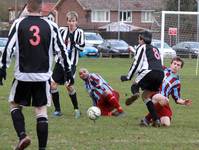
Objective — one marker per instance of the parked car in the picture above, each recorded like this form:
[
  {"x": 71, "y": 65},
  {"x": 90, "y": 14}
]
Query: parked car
[
  {"x": 114, "y": 47},
  {"x": 93, "y": 39},
  {"x": 89, "y": 51},
  {"x": 187, "y": 49},
  {"x": 167, "y": 52},
  {"x": 3, "y": 42}
]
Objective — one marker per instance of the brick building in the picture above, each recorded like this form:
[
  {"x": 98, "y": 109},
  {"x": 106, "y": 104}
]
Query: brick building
[{"x": 96, "y": 13}]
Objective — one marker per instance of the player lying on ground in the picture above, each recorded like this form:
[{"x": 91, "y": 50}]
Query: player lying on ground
[{"x": 101, "y": 93}]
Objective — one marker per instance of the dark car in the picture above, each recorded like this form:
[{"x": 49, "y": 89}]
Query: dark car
[
  {"x": 114, "y": 47},
  {"x": 187, "y": 49}
]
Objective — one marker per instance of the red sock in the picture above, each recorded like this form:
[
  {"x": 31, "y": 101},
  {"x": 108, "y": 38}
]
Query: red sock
[
  {"x": 148, "y": 117},
  {"x": 113, "y": 101}
]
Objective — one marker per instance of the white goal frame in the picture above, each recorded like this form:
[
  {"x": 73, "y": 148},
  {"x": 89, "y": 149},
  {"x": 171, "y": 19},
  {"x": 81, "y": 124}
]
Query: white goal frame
[{"x": 163, "y": 28}]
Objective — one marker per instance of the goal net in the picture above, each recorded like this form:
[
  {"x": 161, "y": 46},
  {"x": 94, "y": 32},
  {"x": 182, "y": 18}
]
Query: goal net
[{"x": 180, "y": 30}]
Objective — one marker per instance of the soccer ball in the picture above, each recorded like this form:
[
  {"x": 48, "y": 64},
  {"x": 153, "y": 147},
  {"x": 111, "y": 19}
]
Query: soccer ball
[{"x": 93, "y": 113}]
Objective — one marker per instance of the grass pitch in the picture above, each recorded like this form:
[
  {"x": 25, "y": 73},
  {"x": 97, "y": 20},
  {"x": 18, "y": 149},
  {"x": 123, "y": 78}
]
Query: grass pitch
[{"x": 109, "y": 133}]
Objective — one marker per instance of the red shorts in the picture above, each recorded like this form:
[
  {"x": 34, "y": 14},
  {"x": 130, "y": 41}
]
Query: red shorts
[
  {"x": 105, "y": 106},
  {"x": 161, "y": 111}
]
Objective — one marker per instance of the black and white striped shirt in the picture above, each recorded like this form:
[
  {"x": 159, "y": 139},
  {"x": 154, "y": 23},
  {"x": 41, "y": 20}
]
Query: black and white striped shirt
[
  {"x": 147, "y": 58},
  {"x": 74, "y": 42},
  {"x": 32, "y": 39}
]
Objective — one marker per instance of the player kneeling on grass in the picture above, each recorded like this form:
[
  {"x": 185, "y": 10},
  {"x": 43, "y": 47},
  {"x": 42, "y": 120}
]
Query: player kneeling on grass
[
  {"x": 163, "y": 110},
  {"x": 102, "y": 94},
  {"x": 171, "y": 86}
]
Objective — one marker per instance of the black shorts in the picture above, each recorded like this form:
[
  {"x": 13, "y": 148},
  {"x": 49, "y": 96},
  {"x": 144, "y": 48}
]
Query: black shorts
[
  {"x": 58, "y": 73},
  {"x": 152, "y": 81},
  {"x": 30, "y": 93}
]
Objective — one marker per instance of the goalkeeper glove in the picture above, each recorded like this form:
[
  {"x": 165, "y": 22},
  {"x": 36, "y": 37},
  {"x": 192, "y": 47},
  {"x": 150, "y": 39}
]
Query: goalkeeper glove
[
  {"x": 123, "y": 78},
  {"x": 68, "y": 78}
]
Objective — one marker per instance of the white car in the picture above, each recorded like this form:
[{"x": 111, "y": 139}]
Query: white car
[
  {"x": 93, "y": 39},
  {"x": 167, "y": 52},
  {"x": 3, "y": 42}
]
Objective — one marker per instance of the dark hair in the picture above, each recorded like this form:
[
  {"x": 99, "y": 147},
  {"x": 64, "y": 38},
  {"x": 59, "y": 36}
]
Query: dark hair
[
  {"x": 146, "y": 36},
  {"x": 34, "y": 5},
  {"x": 39, "y": 1},
  {"x": 177, "y": 58}
]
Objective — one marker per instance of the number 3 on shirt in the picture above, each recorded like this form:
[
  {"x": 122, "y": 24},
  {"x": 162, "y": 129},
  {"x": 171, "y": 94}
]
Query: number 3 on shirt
[
  {"x": 156, "y": 53},
  {"x": 36, "y": 37}
]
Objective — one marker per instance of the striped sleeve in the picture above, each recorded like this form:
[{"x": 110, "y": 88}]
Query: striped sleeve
[
  {"x": 80, "y": 39},
  {"x": 64, "y": 32},
  {"x": 137, "y": 64},
  {"x": 60, "y": 48},
  {"x": 175, "y": 92},
  {"x": 5, "y": 60},
  {"x": 61, "y": 30},
  {"x": 95, "y": 80}
]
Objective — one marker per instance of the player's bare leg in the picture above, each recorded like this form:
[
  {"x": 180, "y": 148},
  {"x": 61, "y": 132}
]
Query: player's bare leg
[
  {"x": 73, "y": 96},
  {"x": 165, "y": 121},
  {"x": 159, "y": 98}
]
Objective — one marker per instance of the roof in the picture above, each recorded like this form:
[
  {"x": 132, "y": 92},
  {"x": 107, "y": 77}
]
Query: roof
[
  {"x": 113, "y": 4},
  {"x": 121, "y": 26}
]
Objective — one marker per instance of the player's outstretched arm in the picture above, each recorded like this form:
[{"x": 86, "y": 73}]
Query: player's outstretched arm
[{"x": 186, "y": 102}]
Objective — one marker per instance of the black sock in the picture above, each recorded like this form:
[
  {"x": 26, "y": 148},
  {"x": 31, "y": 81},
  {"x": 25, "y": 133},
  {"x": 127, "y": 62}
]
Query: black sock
[
  {"x": 152, "y": 110},
  {"x": 55, "y": 98},
  {"x": 18, "y": 122},
  {"x": 42, "y": 132},
  {"x": 134, "y": 88},
  {"x": 73, "y": 98}
]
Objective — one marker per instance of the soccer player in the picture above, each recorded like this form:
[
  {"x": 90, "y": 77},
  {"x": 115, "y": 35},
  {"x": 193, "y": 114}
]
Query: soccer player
[
  {"x": 73, "y": 37},
  {"x": 33, "y": 39},
  {"x": 101, "y": 93},
  {"x": 171, "y": 86},
  {"x": 148, "y": 69}
]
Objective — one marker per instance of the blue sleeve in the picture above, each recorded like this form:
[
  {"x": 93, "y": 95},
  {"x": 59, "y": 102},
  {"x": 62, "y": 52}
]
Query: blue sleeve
[{"x": 175, "y": 93}]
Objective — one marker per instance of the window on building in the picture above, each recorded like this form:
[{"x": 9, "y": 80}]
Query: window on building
[
  {"x": 100, "y": 16},
  {"x": 126, "y": 16},
  {"x": 147, "y": 16}
]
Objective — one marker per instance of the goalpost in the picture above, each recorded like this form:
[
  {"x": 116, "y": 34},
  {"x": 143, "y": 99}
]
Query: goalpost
[{"x": 185, "y": 27}]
